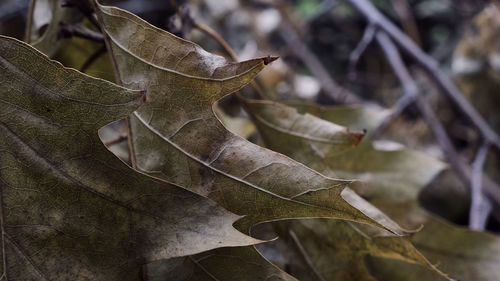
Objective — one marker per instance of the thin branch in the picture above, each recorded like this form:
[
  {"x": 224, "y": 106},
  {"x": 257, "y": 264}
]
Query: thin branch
[
  {"x": 93, "y": 58},
  {"x": 93, "y": 19},
  {"x": 212, "y": 33},
  {"x": 431, "y": 66},
  {"x": 118, "y": 80},
  {"x": 324, "y": 7},
  {"x": 411, "y": 89},
  {"x": 355, "y": 55},
  {"x": 397, "y": 109},
  {"x": 304, "y": 254},
  {"x": 480, "y": 206},
  {"x": 85, "y": 7},
  {"x": 29, "y": 23},
  {"x": 334, "y": 91},
  {"x": 186, "y": 17},
  {"x": 403, "y": 10},
  {"x": 69, "y": 30},
  {"x": 460, "y": 167}
]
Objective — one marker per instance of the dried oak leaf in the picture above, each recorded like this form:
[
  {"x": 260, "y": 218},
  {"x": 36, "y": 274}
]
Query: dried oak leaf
[
  {"x": 177, "y": 136},
  {"x": 70, "y": 210}
]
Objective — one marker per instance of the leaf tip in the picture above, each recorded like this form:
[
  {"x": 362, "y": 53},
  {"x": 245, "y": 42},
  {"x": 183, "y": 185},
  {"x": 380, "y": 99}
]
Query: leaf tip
[
  {"x": 358, "y": 136},
  {"x": 413, "y": 231},
  {"x": 269, "y": 59}
]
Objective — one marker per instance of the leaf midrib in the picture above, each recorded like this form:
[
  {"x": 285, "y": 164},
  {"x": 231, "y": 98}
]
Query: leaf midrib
[
  {"x": 176, "y": 146},
  {"x": 292, "y": 133}
]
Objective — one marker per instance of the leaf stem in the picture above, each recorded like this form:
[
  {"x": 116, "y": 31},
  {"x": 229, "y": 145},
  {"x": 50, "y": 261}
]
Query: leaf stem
[
  {"x": 29, "y": 23},
  {"x": 212, "y": 33},
  {"x": 216, "y": 36},
  {"x": 132, "y": 160},
  {"x": 304, "y": 254},
  {"x": 93, "y": 58}
]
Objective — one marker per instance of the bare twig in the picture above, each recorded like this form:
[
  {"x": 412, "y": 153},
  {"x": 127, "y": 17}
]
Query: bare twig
[
  {"x": 324, "y": 7},
  {"x": 407, "y": 20},
  {"x": 68, "y": 30},
  {"x": 460, "y": 167},
  {"x": 410, "y": 89},
  {"x": 212, "y": 33},
  {"x": 93, "y": 58},
  {"x": 118, "y": 80},
  {"x": 397, "y": 109},
  {"x": 480, "y": 206},
  {"x": 334, "y": 91},
  {"x": 373, "y": 16},
  {"x": 85, "y": 7},
  {"x": 304, "y": 254},
  {"x": 186, "y": 17},
  {"x": 355, "y": 55},
  {"x": 29, "y": 22}
]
